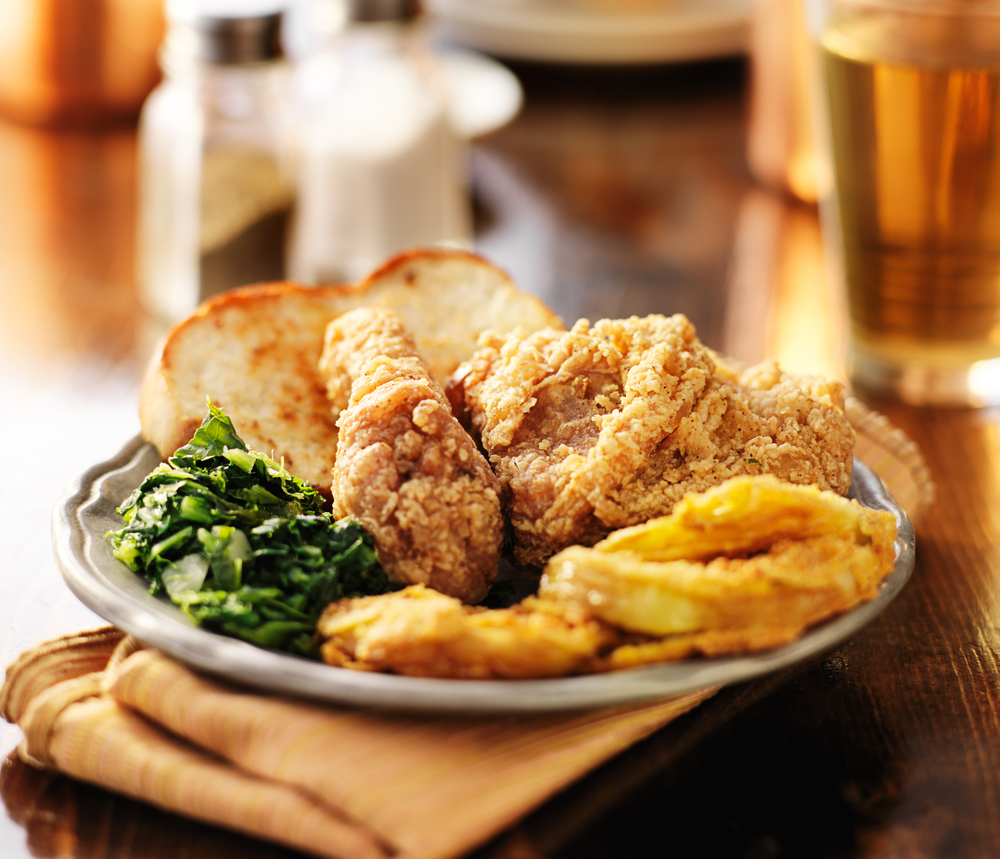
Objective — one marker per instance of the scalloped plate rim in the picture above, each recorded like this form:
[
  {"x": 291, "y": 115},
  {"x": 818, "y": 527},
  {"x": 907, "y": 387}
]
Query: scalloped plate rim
[{"x": 107, "y": 587}]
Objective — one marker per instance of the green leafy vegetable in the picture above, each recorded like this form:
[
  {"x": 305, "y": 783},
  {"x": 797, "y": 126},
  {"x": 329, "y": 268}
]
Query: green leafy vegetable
[{"x": 241, "y": 545}]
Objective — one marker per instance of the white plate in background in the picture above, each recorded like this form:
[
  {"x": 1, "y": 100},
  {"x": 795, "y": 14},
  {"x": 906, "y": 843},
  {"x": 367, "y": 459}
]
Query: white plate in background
[
  {"x": 483, "y": 95},
  {"x": 578, "y": 31}
]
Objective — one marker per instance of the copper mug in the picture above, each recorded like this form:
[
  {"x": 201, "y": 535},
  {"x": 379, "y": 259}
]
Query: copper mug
[{"x": 77, "y": 62}]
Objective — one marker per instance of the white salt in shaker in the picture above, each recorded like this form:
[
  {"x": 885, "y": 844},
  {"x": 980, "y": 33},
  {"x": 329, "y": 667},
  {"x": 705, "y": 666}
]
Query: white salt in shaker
[
  {"x": 380, "y": 167},
  {"x": 216, "y": 182}
]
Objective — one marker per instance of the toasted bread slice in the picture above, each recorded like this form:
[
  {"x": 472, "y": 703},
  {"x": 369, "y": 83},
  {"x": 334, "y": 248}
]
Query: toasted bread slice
[
  {"x": 446, "y": 299},
  {"x": 254, "y": 351}
]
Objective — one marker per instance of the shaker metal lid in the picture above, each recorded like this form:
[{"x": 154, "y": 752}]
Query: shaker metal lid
[
  {"x": 226, "y": 32},
  {"x": 382, "y": 10}
]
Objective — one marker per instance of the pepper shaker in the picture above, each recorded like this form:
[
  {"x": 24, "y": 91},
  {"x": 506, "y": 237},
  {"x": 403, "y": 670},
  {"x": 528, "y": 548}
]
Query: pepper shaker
[{"x": 216, "y": 174}]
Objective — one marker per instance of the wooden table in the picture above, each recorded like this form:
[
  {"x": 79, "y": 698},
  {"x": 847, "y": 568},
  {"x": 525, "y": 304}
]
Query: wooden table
[{"x": 611, "y": 194}]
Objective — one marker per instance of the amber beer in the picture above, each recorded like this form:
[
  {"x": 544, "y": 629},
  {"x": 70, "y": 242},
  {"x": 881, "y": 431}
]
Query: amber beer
[{"x": 915, "y": 131}]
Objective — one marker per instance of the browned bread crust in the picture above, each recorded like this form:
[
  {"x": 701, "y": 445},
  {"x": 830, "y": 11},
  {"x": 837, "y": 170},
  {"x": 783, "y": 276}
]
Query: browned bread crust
[{"x": 254, "y": 351}]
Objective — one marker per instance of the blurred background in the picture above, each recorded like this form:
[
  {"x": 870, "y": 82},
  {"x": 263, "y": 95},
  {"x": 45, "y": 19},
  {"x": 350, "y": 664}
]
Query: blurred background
[{"x": 603, "y": 152}]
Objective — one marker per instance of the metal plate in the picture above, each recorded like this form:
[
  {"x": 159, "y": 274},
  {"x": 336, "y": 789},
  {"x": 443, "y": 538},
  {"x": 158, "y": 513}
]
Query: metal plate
[{"x": 87, "y": 512}]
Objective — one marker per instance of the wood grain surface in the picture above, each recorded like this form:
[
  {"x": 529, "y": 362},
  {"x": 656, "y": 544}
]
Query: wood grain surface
[{"x": 614, "y": 192}]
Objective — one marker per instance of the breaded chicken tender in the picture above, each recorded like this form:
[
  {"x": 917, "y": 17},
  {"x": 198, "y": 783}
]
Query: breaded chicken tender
[
  {"x": 420, "y": 632},
  {"x": 600, "y": 428},
  {"x": 405, "y": 468}
]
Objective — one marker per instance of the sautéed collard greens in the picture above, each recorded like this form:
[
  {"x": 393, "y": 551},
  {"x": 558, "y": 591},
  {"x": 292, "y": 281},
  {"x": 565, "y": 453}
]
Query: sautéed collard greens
[{"x": 241, "y": 545}]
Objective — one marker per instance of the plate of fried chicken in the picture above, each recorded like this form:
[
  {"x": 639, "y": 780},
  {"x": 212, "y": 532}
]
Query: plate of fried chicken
[{"x": 579, "y": 517}]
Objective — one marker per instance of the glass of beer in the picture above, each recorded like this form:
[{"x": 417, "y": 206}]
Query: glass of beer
[{"x": 909, "y": 112}]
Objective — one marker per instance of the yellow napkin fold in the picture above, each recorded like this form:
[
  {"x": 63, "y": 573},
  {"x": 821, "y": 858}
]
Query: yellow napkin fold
[{"x": 334, "y": 782}]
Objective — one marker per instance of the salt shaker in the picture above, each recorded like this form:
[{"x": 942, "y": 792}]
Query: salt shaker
[
  {"x": 216, "y": 174},
  {"x": 380, "y": 167}
]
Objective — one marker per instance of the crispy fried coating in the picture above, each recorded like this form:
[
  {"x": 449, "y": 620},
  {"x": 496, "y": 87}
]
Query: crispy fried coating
[
  {"x": 693, "y": 572},
  {"x": 600, "y": 428},
  {"x": 796, "y": 583},
  {"x": 609, "y": 608},
  {"x": 712, "y": 642},
  {"x": 747, "y": 515},
  {"x": 405, "y": 468},
  {"x": 420, "y": 632}
]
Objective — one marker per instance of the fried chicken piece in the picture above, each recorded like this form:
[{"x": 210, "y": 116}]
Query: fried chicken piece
[
  {"x": 405, "y": 468},
  {"x": 600, "y": 428},
  {"x": 420, "y": 632}
]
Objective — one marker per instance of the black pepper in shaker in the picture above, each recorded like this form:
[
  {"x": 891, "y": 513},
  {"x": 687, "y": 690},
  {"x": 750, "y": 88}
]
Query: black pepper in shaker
[{"x": 215, "y": 183}]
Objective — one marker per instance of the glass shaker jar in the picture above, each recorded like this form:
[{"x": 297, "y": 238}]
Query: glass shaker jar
[
  {"x": 380, "y": 166},
  {"x": 216, "y": 178}
]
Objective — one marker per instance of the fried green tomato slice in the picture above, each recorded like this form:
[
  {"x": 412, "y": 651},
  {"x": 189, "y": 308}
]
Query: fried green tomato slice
[
  {"x": 752, "y": 553},
  {"x": 420, "y": 632}
]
